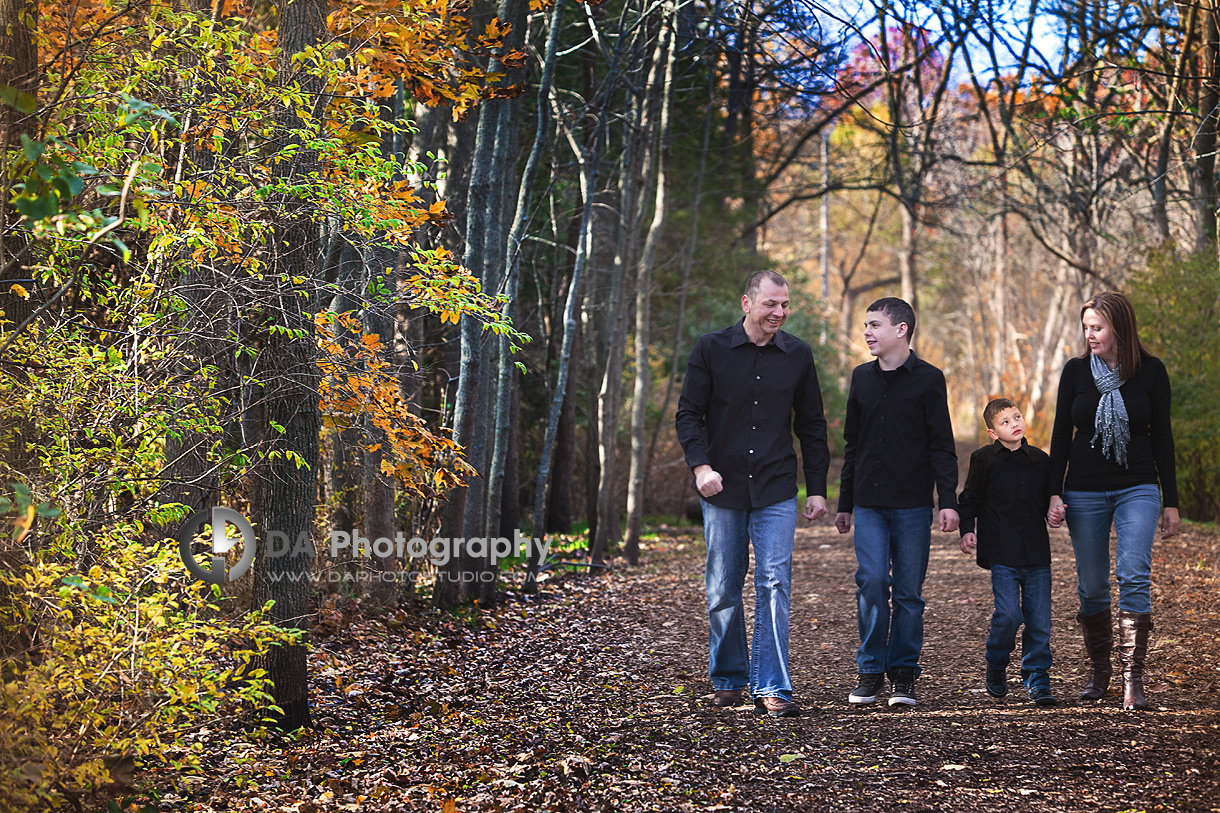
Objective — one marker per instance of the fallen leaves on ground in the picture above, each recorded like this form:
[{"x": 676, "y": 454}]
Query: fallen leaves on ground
[{"x": 592, "y": 696}]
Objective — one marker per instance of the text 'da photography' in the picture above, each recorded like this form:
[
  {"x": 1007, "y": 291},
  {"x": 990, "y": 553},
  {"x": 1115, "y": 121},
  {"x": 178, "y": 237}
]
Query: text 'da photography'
[{"x": 219, "y": 546}]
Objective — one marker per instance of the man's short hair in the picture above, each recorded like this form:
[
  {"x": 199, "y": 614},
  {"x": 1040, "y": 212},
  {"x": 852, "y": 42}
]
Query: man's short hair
[
  {"x": 897, "y": 311},
  {"x": 995, "y": 407},
  {"x": 756, "y": 280}
]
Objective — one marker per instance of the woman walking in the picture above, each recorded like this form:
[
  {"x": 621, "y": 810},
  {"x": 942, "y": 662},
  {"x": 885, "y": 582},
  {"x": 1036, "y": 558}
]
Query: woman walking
[{"x": 1112, "y": 438}]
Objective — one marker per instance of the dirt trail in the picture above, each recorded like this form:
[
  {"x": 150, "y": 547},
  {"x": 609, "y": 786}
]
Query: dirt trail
[
  {"x": 592, "y": 698},
  {"x": 960, "y": 749}
]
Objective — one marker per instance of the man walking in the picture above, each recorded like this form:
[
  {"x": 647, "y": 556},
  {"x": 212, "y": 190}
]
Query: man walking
[{"x": 747, "y": 389}]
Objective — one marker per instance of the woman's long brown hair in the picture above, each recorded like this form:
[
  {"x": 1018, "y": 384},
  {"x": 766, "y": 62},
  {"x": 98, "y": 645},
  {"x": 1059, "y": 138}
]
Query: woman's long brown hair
[{"x": 1116, "y": 309}]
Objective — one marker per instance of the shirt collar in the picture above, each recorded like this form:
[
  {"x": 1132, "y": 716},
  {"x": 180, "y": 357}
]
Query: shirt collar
[
  {"x": 738, "y": 337},
  {"x": 1000, "y": 449},
  {"x": 907, "y": 365}
]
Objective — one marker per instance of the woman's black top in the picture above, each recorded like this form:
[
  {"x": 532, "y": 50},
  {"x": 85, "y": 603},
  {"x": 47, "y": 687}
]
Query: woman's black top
[{"x": 1149, "y": 452}]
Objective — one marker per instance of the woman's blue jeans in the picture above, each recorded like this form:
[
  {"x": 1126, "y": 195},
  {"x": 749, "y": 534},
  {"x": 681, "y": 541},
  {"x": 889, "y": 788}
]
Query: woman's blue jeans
[
  {"x": 729, "y": 532},
  {"x": 892, "y": 547},
  {"x": 1134, "y": 513},
  {"x": 1022, "y": 595}
]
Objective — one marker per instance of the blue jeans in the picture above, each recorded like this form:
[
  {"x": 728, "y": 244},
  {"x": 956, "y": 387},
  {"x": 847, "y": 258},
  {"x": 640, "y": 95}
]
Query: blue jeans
[
  {"x": 729, "y": 532},
  {"x": 1022, "y": 594},
  {"x": 1135, "y": 513},
  {"x": 892, "y": 556}
]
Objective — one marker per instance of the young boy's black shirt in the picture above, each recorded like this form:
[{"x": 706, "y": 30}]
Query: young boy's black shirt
[{"x": 1008, "y": 492}]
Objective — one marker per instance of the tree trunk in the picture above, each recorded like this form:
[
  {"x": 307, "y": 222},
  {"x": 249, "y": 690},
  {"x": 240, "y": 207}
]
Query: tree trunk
[
  {"x": 588, "y": 183},
  {"x": 377, "y": 489},
  {"x": 1206, "y": 141},
  {"x": 643, "y": 301},
  {"x": 287, "y": 366},
  {"x": 502, "y": 490}
]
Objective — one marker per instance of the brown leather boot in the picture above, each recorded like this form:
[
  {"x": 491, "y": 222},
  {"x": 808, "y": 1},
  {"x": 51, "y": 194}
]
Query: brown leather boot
[
  {"x": 1098, "y": 643},
  {"x": 1133, "y": 629}
]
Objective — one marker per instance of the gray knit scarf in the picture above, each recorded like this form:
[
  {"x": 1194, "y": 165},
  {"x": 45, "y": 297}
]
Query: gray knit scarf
[{"x": 1111, "y": 421}]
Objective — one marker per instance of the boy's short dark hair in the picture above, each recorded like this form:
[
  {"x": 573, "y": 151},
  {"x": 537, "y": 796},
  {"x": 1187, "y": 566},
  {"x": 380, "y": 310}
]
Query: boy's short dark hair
[
  {"x": 897, "y": 311},
  {"x": 995, "y": 407}
]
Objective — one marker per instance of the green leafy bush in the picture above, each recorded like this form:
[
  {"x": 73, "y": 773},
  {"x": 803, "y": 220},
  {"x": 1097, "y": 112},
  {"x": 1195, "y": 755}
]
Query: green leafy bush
[
  {"x": 109, "y": 667},
  {"x": 1177, "y": 299}
]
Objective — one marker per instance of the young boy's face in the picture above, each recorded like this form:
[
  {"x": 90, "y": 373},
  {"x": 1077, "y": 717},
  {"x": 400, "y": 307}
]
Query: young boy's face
[
  {"x": 1008, "y": 427},
  {"x": 882, "y": 337}
]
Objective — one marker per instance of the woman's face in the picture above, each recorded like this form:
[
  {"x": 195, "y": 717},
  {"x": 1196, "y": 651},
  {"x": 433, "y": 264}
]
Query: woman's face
[{"x": 1100, "y": 336}]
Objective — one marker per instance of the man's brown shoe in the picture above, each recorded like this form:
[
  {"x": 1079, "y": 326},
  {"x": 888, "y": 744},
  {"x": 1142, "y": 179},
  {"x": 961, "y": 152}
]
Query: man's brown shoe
[
  {"x": 776, "y": 707},
  {"x": 727, "y": 698}
]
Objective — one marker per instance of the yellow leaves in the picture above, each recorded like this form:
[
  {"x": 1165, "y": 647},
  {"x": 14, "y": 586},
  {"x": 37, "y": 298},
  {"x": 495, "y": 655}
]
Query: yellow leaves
[
  {"x": 23, "y": 523},
  {"x": 19, "y": 290},
  {"x": 115, "y": 679}
]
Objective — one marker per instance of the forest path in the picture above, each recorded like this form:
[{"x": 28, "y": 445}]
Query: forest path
[{"x": 594, "y": 698}]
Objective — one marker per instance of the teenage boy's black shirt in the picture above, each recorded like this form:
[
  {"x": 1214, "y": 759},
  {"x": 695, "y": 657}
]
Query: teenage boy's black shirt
[
  {"x": 739, "y": 407},
  {"x": 1009, "y": 493},
  {"x": 898, "y": 441}
]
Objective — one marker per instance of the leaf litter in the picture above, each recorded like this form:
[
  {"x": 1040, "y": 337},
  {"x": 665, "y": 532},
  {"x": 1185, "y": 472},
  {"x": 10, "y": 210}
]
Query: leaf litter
[{"x": 593, "y": 696}]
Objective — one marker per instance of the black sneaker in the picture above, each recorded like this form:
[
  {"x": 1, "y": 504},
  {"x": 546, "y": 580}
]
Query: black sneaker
[
  {"x": 902, "y": 687},
  {"x": 997, "y": 681},
  {"x": 868, "y": 686},
  {"x": 1042, "y": 697}
]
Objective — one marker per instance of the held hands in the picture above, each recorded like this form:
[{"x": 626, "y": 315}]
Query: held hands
[
  {"x": 948, "y": 520},
  {"x": 968, "y": 543},
  {"x": 1057, "y": 513},
  {"x": 707, "y": 481},
  {"x": 814, "y": 508}
]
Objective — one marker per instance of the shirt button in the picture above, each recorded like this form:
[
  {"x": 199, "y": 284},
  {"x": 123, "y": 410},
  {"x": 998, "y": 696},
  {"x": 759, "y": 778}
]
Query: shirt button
[
  {"x": 751, "y": 451},
  {"x": 758, "y": 378},
  {"x": 751, "y": 476},
  {"x": 756, "y": 403}
]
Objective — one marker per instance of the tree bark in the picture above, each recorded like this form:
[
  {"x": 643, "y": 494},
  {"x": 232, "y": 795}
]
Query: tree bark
[
  {"x": 638, "y": 474},
  {"x": 290, "y": 401}
]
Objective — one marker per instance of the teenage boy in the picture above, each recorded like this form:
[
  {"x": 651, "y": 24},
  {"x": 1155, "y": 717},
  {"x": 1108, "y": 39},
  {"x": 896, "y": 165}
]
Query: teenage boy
[
  {"x": 747, "y": 389},
  {"x": 1008, "y": 490},
  {"x": 898, "y": 443}
]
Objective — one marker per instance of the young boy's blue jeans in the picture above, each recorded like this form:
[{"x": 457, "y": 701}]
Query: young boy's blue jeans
[
  {"x": 729, "y": 533},
  {"x": 1022, "y": 595}
]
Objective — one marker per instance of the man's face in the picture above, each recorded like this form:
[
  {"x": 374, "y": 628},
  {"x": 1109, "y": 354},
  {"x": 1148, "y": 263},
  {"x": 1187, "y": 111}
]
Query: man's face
[
  {"x": 882, "y": 337},
  {"x": 1008, "y": 426},
  {"x": 768, "y": 310}
]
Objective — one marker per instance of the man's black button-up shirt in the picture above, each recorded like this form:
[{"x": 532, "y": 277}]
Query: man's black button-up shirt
[
  {"x": 741, "y": 404},
  {"x": 1009, "y": 493},
  {"x": 898, "y": 440}
]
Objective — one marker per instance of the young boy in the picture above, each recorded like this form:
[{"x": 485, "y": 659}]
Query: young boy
[
  {"x": 1008, "y": 492},
  {"x": 898, "y": 443}
]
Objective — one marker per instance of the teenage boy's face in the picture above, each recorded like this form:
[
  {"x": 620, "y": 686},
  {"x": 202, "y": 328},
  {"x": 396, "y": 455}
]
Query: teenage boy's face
[
  {"x": 1008, "y": 427},
  {"x": 882, "y": 337}
]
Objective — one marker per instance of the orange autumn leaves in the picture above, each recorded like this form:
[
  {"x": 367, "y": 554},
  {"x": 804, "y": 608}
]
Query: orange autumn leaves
[{"x": 358, "y": 383}]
